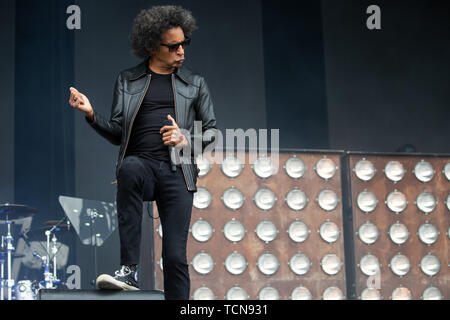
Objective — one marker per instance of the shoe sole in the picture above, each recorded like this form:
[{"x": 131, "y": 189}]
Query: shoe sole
[{"x": 106, "y": 282}]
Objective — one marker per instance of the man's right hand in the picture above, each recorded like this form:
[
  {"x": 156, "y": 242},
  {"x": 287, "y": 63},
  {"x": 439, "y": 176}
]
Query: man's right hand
[{"x": 81, "y": 102}]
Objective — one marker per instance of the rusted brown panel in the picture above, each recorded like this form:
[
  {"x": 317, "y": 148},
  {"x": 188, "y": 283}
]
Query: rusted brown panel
[
  {"x": 412, "y": 217},
  {"x": 219, "y": 280}
]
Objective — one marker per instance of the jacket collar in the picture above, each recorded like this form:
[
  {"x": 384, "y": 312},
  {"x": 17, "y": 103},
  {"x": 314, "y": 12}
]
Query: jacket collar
[{"x": 141, "y": 70}]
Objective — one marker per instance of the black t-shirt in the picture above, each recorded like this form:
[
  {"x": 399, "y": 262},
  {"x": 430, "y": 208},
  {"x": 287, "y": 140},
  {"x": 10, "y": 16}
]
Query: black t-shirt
[{"x": 145, "y": 139}]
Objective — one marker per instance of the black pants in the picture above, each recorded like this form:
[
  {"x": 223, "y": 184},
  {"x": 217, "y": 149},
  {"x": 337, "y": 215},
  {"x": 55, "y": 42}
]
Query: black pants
[{"x": 152, "y": 180}]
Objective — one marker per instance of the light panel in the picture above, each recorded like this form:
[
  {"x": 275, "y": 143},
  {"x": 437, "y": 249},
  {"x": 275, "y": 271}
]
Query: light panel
[
  {"x": 326, "y": 168},
  {"x": 367, "y": 201},
  {"x": 296, "y": 199},
  {"x": 232, "y": 166},
  {"x": 428, "y": 233},
  {"x": 203, "y": 293},
  {"x": 368, "y": 233},
  {"x": 281, "y": 256},
  {"x": 264, "y": 199},
  {"x": 398, "y": 233},
  {"x": 202, "y": 198},
  {"x": 263, "y": 167},
  {"x": 364, "y": 170},
  {"x": 328, "y": 200},
  {"x": 295, "y": 167},
  {"x": 394, "y": 171},
  {"x": 301, "y": 293},
  {"x": 424, "y": 171},
  {"x": 234, "y": 230},
  {"x": 266, "y": 231},
  {"x": 300, "y": 264},
  {"x": 269, "y": 293},
  {"x": 406, "y": 239},
  {"x": 233, "y": 198}
]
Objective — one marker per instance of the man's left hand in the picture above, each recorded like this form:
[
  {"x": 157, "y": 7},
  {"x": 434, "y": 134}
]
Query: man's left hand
[{"x": 172, "y": 136}]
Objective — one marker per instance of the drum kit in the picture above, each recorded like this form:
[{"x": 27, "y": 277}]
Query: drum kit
[{"x": 26, "y": 289}]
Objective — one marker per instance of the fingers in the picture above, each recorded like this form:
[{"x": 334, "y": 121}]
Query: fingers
[
  {"x": 76, "y": 98},
  {"x": 167, "y": 128},
  {"x": 173, "y": 120}
]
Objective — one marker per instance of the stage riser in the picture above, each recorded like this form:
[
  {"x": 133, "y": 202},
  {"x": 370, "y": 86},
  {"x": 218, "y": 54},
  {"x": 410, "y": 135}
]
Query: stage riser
[{"x": 50, "y": 294}]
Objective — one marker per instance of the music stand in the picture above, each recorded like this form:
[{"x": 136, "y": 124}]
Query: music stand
[{"x": 93, "y": 221}]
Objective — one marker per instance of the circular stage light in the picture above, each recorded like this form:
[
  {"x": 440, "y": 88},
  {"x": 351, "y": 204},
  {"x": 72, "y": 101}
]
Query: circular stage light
[
  {"x": 398, "y": 233},
  {"x": 263, "y": 167},
  {"x": 237, "y": 293},
  {"x": 296, "y": 199},
  {"x": 364, "y": 170},
  {"x": 295, "y": 167},
  {"x": 234, "y": 230},
  {"x": 235, "y": 263},
  {"x": 269, "y": 293},
  {"x": 432, "y": 293},
  {"x": 202, "y": 230},
  {"x": 333, "y": 293},
  {"x": 325, "y": 168},
  {"x": 424, "y": 171},
  {"x": 266, "y": 231},
  {"x": 428, "y": 233},
  {"x": 202, "y": 198},
  {"x": 369, "y": 265},
  {"x": 268, "y": 264},
  {"x": 301, "y": 293},
  {"x": 367, "y": 201},
  {"x": 446, "y": 171},
  {"x": 370, "y": 294},
  {"x": 400, "y": 265},
  {"x": 299, "y": 264},
  {"x": 447, "y": 202},
  {"x": 426, "y": 202},
  {"x": 298, "y": 231},
  {"x": 368, "y": 233},
  {"x": 264, "y": 199},
  {"x": 396, "y": 201},
  {"x": 233, "y": 198},
  {"x": 401, "y": 293},
  {"x": 430, "y": 265},
  {"x": 394, "y": 171},
  {"x": 203, "y": 293},
  {"x": 331, "y": 264},
  {"x": 328, "y": 200},
  {"x": 204, "y": 165},
  {"x": 232, "y": 166},
  {"x": 329, "y": 231},
  {"x": 203, "y": 263}
]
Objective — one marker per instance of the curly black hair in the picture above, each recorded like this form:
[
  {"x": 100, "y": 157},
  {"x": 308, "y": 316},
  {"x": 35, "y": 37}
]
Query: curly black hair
[{"x": 150, "y": 24}]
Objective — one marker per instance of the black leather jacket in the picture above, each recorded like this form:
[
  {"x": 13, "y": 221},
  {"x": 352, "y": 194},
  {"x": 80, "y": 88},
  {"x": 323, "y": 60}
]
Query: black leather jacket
[{"x": 192, "y": 103}]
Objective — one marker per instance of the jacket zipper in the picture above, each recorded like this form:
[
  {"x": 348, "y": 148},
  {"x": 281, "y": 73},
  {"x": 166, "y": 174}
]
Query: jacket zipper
[
  {"x": 176, "y": 120},
  {"x": 134, "y": 116}
]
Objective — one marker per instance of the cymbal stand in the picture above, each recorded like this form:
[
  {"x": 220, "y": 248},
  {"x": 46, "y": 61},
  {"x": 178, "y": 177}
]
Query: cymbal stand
[
  {"x": 2, "y": 270},
  {"x": 93, "y": 214},
  {"x": 9, "y": 248},
  {"x": 50, "y": 279}
]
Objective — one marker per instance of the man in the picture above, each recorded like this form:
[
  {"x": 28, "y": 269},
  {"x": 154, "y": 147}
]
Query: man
[{"x": 145, "y": 98}]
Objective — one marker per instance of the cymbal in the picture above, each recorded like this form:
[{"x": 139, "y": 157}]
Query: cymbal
[
  {"x": 51, "y": 223},
  {"x": 15, "y": 211}
]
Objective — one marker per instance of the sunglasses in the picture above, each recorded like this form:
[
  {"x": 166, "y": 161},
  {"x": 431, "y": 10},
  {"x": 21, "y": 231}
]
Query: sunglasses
[{"x": 174, "y": 47}]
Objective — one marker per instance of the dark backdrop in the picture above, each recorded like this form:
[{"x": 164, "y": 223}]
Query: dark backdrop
[{"x": 309, "y": 68}]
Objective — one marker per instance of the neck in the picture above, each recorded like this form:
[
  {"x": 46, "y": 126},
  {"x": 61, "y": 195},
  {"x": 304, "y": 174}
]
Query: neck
[{"x": 158, "y": 67}]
